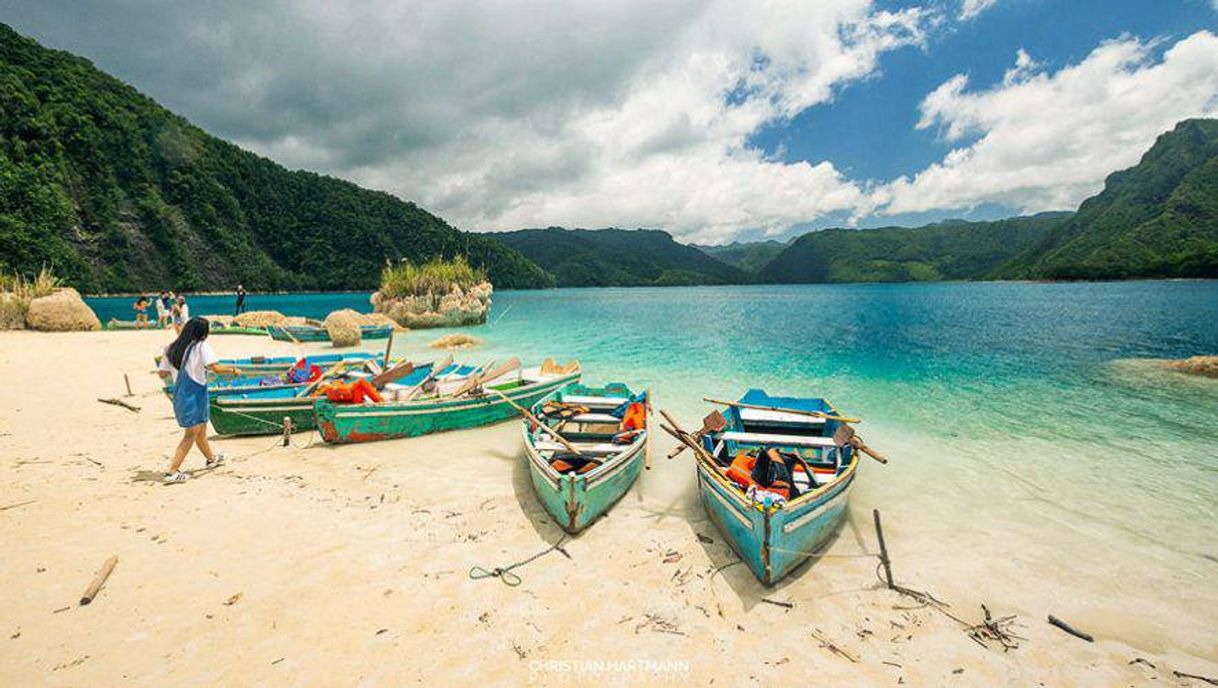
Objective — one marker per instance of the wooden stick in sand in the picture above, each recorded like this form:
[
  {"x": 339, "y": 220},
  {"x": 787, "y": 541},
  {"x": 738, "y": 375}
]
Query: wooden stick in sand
[
  {"x": 545, "y": 428},
  {"x": 120, "y": 402},
  {"x": 99, "y": 580},
  {"x": 879, "y": 534},
  {"x": 798, "y": 412},
  {"x": 127, "y": 380},
  {"x": 1070, "y": 629}
]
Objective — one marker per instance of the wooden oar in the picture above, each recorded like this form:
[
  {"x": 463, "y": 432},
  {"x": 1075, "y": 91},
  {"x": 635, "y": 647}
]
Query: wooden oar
[
  {"x": 712, "y": 422},
  {"x": 476, "y": 382},
  {"x": 545, "y": 428},
  {"x": 845, "y": 435},
  {"x": 798, "y": 412},
  {"x": 395, "y": 373},
  {"x": 388, "y": 348},
  {"x": 435, "y": 371},
  {"x": 333, "y": 372},
  {"x": 685, "y": 438}
]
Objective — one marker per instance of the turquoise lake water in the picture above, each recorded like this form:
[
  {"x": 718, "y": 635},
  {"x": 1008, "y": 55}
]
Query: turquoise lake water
[{"x": 1028, "y": 444}]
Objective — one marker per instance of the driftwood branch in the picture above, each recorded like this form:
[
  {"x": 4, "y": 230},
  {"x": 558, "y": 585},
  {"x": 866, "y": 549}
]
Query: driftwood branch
[
  {"x": 1070, "y": 629},
  {"x": 120, "y": 402},
  {"x": 1207, "y": 679}
]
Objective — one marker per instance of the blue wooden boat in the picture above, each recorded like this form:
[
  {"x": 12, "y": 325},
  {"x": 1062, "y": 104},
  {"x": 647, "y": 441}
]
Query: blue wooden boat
[
  {"x": 312, "y": 333},
  {"x": 577, "y": 489},
  {"x": 774, "y": 536}
]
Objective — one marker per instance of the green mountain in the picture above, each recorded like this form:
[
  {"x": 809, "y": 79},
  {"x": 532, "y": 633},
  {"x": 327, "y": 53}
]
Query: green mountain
[
  {"x": 618, "y": 258},
  {"x": 119, "y": 194},
  {"x": 749, "y": 256},
  {"x": 1157, "y": 219},
  {"x": 950, "y": 250}
]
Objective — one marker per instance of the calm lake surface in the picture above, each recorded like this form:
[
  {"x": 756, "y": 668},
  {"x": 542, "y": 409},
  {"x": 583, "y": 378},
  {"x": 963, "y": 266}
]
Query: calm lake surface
[{"x": 1031, "y": 456}]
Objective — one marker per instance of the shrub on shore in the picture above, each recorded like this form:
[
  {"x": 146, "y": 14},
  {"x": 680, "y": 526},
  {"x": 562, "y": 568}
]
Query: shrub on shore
[
  {"x": 16, "y": 292},
  {"x": 436, "y": 277}
]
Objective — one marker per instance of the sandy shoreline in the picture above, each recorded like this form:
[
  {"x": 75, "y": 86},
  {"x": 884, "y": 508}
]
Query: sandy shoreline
[{"x": 350, "y": 565}]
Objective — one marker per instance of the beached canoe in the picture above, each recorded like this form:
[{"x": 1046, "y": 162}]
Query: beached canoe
[
  {"x": 262, "y": 414},
  {"x": 221, "y": 328},
  {"x": 116, "y": 324},
  {"x": 773, "y": 536},
  {"x": 341, "y": 424},
  {"x": 311, "y": 333},
  {"x": 262, "y": 366},
  {"x": 576, "y": 489}
]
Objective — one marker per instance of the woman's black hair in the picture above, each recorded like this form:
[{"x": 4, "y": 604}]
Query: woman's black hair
[{"x": 195, "y": 330}]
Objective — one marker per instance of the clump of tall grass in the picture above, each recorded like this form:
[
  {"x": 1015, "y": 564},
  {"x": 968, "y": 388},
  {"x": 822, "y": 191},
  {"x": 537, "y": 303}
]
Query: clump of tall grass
[
  {"x": 16, "y": 292},
  {"x": 435, "y": 277}
]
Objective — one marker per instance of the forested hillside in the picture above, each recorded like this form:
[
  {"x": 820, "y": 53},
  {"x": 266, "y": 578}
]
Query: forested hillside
[
  {"x": 117, "y": 193},
  {"x": 1157, "y": 219}
]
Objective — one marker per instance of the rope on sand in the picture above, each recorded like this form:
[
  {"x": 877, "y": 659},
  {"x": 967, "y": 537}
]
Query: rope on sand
[{"x": 505, "y": 573}]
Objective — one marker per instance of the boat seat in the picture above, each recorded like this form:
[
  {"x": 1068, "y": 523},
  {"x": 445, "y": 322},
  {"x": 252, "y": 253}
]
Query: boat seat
[
  {"x": 595, "y": 418},
  {"x": 604, "y": 448},
  {"x": 749, "y": 415},
  {"x": 782, "y": 440},
  {"x": 613, "y": 402}
]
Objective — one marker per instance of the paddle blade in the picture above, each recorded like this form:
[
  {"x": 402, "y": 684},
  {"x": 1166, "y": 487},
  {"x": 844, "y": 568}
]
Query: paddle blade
[{"x": 713, "y": 422}]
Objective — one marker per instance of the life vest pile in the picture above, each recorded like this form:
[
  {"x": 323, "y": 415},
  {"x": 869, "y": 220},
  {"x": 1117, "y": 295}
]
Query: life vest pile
[
  {"x": 303, "y": 372},
  {"x": 573, "y": 463},
  {"x": 770, "y": 470},
  {"x": 355, "y": 393}
]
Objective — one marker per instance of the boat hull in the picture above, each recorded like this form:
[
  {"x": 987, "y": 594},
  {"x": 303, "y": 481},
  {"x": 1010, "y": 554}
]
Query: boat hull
[
  {"x": 344, "y": 424},
  {"x": 260, "y": 416},
  {"x": 576, "y": 501},
  {"x": 773, "y": 542},
  {"x": 306, "y": 333}
]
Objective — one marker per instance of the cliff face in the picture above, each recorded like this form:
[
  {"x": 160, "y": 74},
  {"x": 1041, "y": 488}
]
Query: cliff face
[{"x": 455, "y": 308}]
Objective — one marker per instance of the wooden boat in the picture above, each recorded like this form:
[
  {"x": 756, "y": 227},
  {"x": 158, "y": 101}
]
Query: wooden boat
[
  {"x": 116, "y": 324},
  {"x": 221, "y": 328},
  {"x": 774, "y": 537},
  {"x": 613, "y": 459},
  {"x": 257, "y": 413},
  {"x": 260, "y": 366},
  {"x": 347, "y": 423},
  {"x": 312, "y": 333}
]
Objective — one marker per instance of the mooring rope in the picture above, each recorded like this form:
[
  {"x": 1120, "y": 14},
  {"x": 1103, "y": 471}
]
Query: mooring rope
[{"x": 505, "y": 574}]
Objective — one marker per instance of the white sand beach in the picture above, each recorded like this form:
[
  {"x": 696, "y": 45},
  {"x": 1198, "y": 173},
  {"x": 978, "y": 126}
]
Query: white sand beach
[{"x": 320, "y": 565}]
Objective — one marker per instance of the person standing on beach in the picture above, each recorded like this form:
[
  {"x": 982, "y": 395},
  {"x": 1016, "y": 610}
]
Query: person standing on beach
[
  {"x": 240, "y": 301},
  {"x": 181, "y": 313},
  {"x": 186, "y": 362},
  {"x": 141, "y": 312},
  {"x": 162, "y": 309}
]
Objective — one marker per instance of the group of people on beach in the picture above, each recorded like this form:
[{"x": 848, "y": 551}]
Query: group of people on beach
[{"x": 173, "y": 309}]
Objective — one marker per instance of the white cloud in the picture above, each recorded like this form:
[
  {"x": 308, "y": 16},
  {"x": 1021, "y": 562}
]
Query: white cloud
[
  {"x": 500, "y": 115},
  {"x": 971, "y": 8},
  {"x": 1048, "y": 140}
]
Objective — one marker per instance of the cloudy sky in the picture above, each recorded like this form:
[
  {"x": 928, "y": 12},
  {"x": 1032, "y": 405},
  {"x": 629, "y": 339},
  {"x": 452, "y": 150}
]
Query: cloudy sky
[{"x": 714, "y": 120}]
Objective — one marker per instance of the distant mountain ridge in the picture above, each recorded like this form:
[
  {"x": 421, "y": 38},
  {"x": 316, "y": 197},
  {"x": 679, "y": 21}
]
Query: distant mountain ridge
[
  {"x": 117, "y": 193},
  {"x": 1156, "y": 219},
  {"x": 949, "y": 250},
  {"x": 749, "y": 256},
  {"x": 619, "y": 258}
]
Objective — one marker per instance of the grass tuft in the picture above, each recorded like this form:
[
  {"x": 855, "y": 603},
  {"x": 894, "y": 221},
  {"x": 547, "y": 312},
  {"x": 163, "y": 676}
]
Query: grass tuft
[
  {"x": 16, "y": 292},
  {"x": 435, "y": 277}
]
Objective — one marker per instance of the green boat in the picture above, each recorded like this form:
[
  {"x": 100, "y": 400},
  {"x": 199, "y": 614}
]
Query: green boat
[
  {"x": 347, "y": 423},
  {"x": 221, "y": 328},
  {"x": 312, "y": 333},
  {"x": 264, "y": 413},
  {"x": 116, "y": 324},
  {"x": 577, "y": 488}
]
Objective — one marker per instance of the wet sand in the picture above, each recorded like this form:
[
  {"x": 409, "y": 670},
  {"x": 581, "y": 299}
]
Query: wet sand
[{"x": 319, "y": 565}]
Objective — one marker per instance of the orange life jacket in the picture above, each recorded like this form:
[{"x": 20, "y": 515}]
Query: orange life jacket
[
  {"x": 635, "y": 417},
  {"x": 354, "y": 393},
  {"x": 741, "y": 473}
]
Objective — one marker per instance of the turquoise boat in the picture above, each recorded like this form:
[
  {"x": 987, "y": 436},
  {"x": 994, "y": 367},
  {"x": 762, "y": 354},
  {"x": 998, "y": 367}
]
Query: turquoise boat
[
  {"x": 347, "y": 423},
  {"x": 774, "y": 536},
  {"x": 312, "y": 333},
  {"x": 263, "y": 413},
  {"x": 576, "y": 489}
]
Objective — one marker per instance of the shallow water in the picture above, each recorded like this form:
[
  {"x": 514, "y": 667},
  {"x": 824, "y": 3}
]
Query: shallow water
[{"x": 1031, "y": 460}]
